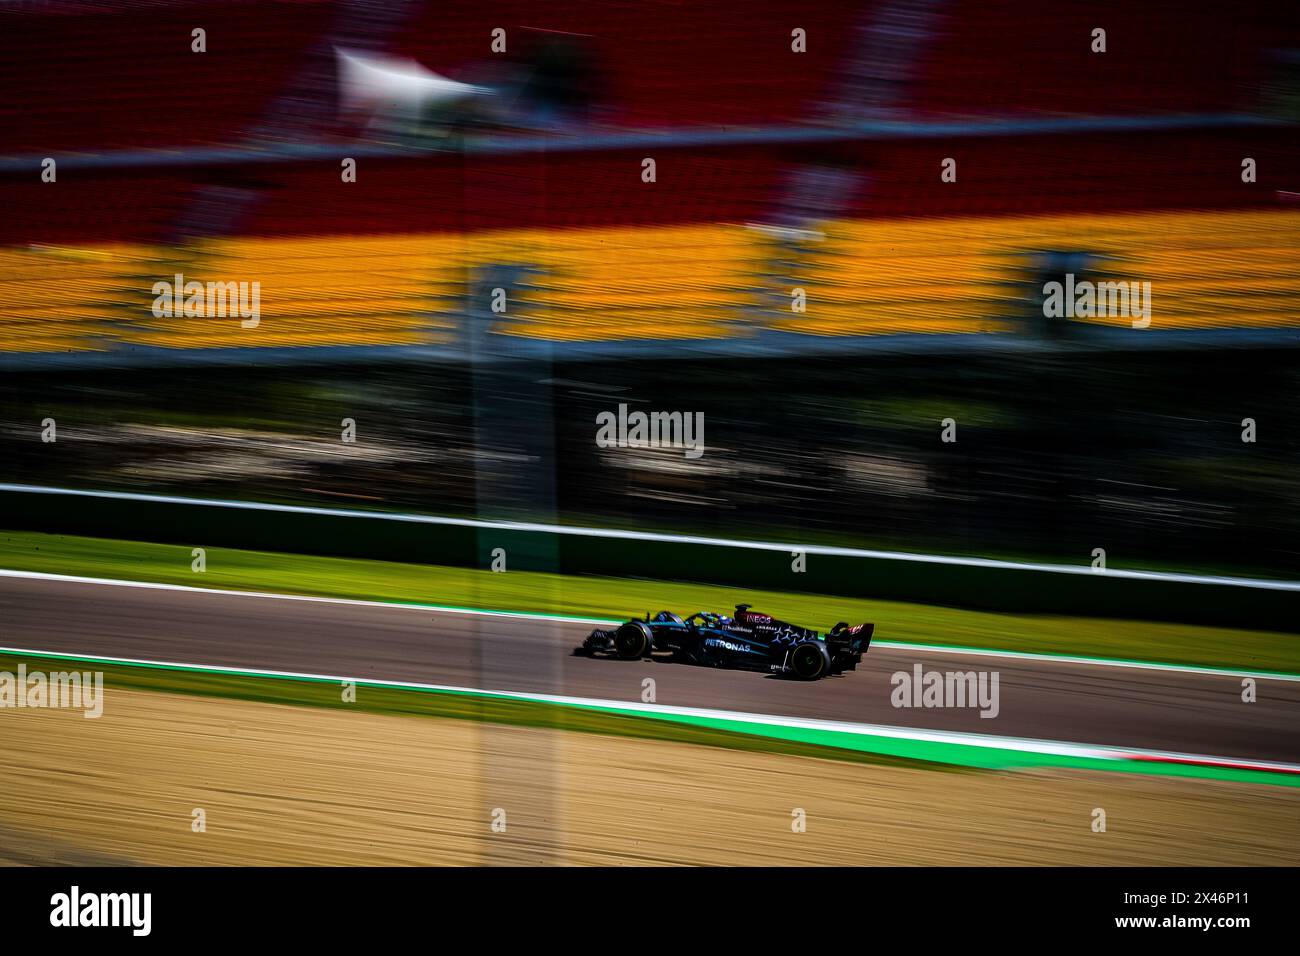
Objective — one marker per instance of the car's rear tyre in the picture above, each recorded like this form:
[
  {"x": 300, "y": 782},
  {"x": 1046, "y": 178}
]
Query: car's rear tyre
[
  {"x": 632, "y": 641},
  {"x": 810, "y": 661}
]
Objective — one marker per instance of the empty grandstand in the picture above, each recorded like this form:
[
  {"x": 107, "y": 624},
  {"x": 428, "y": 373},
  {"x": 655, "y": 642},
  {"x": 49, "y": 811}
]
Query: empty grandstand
[{"x": 844, "y": 177}]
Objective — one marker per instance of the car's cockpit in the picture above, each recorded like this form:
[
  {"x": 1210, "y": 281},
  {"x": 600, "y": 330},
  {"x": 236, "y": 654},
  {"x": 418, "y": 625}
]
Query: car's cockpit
[{"x": 708, "y": 619}]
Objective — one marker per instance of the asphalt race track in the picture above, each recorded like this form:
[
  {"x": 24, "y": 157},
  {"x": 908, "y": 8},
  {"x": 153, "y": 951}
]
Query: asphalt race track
[{"x": 1190, "y": 713}]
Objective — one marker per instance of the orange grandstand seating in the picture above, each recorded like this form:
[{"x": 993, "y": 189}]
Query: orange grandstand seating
[{"x": 860, "y": 277}]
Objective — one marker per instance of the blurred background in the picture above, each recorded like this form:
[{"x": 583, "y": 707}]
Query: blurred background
[{"x": 459, "y": 245}]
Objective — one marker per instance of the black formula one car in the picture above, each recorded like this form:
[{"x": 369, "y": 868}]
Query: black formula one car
[{"x": 749, "y": 640}]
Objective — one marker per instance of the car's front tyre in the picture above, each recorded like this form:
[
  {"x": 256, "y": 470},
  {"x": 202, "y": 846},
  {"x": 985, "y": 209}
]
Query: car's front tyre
[{"x": 632, "y": 641}]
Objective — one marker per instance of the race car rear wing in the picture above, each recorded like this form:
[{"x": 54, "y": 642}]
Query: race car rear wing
[{"x": 848, "y": 639}]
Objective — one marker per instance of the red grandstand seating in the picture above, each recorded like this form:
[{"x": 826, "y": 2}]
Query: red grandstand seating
[
  {"x": 440, "y": 192},
  {"x": 1086, "y": 172},
  {"x": 1025, "y": 56},
  {"x": 91, "y": 77},
  {"x": 118, "y": 75},
  {"x": 664, "y": 62},
  {"x": 1016, "y": 175}
]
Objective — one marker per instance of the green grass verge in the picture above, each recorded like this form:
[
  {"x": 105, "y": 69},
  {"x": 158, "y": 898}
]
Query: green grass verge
[{"x": 618, "y": 597}]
